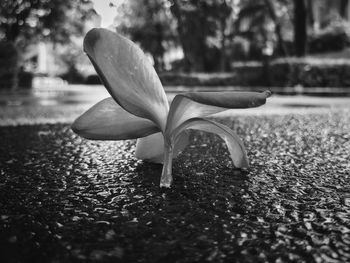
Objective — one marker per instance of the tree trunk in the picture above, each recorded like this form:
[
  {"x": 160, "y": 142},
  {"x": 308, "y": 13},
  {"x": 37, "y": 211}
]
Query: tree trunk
[
  {"x": 199, "y": 59},
  {"x": 158, "y": 52},
  {"x": 175, "y": 9},
  {"x": 310, "y": 13},
  {"x": 344, "y": 8},
  {"x": 280, "y": 43},
  {"x": 300, "y": 27},
  {"x": 15, "y": 77},
  {"x": 223, "y": 59},
  {"x": 9, "y": 65},
  {"x": 191, "y": 27}
]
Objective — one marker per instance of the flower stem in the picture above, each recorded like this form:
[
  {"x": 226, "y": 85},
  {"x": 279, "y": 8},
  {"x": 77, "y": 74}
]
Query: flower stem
[{"x": 167, "y": 178}]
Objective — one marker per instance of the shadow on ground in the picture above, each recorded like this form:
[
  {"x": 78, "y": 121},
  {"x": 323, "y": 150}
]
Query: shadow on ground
[{"x": 66, "y": 199}]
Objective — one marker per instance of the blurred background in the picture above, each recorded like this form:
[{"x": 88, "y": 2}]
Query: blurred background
[{"x": 245, "y": 43}]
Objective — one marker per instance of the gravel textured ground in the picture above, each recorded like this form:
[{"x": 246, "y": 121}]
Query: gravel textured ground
[{"x": 66, "y": 199}]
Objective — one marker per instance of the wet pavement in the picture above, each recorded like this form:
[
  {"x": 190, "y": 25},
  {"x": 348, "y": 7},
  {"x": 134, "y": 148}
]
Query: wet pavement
[
  {"x": 64, "y": 103},
  {"x": 67, "y": 199}
]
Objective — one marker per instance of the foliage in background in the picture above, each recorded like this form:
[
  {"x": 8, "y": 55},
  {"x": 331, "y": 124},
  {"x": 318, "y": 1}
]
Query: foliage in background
[
  {"x": 8, "y": 65},
  {"x": 213, "y": 34},
  {"x": 334, "y": 37},
  {"x": 210, "y": 33},
  {"x": 285, "y": 72},
  {"x": 201, "y": 27},
  {"x": 180, "y": 35},
  {"x": 151, "y": 24},
  {"x": 24, "y": 22}
]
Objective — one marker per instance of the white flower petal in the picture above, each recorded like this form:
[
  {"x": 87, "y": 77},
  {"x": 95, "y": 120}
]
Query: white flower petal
[
  {"x": 234, "y": 144},
  {"x": 199, "y": 104},
  {"x": 151, "y": 148},
  {"x": 127, "y": 74},
  {"x": 106, "y": 120}
]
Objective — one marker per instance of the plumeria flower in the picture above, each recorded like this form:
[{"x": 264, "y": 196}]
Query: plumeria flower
[{"x": 139, "y": 109}]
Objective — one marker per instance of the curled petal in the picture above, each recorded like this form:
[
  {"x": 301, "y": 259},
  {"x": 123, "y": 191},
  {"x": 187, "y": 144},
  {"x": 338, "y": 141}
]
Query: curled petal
[
  {"x": 230, "y": 100},
  {"x": 234, "y": 144},
  {"x": 180, "y": 143},
  {"x": 106, "y": 120},
  {"x": 199, "y": 104},
  {"x": 127, "y": 74},
  {"x": 151, "y": 148}
]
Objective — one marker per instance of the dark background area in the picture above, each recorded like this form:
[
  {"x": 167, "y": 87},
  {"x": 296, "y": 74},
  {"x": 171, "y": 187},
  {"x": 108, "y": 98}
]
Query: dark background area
[{"x": 308, "y": 40}]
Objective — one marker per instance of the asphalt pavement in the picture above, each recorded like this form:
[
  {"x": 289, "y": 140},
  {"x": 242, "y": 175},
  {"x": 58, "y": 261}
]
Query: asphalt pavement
[{"x": 67, "y": 199}]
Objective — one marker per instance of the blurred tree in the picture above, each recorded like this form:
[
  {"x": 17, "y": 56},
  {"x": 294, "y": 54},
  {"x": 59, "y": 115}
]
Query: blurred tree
[
  {"x": 23, "y": 22},
  {"x": 254, "y": 24},
  {"x": 150, "y": 23},
  {"x": 278, "y": 28},
  {"x": 344, "y": 8},
  {"x": 212, "y": 33},
  {"x": 310, "y": 14},
  {"x": 300, "y": 27},
  {"x": 208, "y": 29},
  {"x": 70, "y": 55},
  {"x": 202, "y": 26}
]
